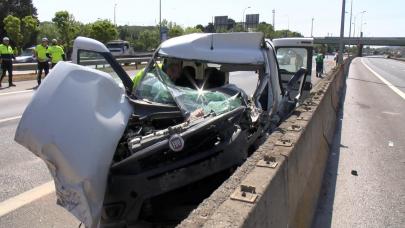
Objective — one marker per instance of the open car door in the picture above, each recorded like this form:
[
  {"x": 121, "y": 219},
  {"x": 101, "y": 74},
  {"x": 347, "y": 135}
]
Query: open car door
[
  {"x": 293, "y": 54},
  {"x": 74, "y": 123}
]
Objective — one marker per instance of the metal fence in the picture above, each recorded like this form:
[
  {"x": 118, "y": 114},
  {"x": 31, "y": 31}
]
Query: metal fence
[{"x": 125, "y": 61}]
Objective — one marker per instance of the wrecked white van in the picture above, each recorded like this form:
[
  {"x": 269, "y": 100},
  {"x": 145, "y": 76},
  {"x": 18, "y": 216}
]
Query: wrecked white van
[{"x": 113, "y": 149}]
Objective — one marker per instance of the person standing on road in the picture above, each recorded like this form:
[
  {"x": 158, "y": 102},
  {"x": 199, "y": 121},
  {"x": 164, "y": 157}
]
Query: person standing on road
[
  {"x": 6, "y": 56},
  {"x": 55, "y": 53},
  {"x": 41, "y": 51},
  {"x": 319, "y": 64},
  {"x": 336, "y": 58}
]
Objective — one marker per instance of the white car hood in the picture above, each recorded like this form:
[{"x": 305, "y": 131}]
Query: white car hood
[{"x": 74, "y": 123}]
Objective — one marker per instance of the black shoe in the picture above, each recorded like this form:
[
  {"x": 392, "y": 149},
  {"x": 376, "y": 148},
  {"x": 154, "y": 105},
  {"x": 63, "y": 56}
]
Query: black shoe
[{"x": 10, "y": 85}]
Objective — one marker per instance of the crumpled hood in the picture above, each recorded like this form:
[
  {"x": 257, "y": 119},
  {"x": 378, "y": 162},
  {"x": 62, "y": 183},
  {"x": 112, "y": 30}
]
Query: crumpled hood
[{"x": 74, "y": 123}]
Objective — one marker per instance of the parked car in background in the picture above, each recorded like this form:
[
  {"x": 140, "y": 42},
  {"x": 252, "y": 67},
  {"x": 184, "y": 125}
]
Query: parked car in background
[
  {"x": 27, "y": 56},
  {"x": 120, "y": 48}
]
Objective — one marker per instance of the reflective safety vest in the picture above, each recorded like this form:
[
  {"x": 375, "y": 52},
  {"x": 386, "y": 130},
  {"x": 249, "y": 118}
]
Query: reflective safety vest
[
  {"x": 138, "y": 76},
  {"x": 319, "y": 58},
  {"x": 6, "y": 52},
  {"x": 41, "y": 53},
  {"x": 56, "y": 53}
]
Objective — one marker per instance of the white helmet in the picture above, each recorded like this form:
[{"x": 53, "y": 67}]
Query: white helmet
[
  {"x": 6, "y": 38},
  {"x": 44, "y": 39}
]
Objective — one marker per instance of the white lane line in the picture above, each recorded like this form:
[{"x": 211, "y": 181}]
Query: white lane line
[
  {"x": 16, "y": 92},
  {"x": 25, "y": 198},
  {"x": 9, "y": 119},
  {"x": 391, "y": 86}
]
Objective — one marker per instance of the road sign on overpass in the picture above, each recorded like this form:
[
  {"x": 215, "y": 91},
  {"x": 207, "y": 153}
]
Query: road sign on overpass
[{"x": 377, "y": 41}]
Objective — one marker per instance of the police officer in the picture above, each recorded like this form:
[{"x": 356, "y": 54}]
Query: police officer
[
  {"x": 6, "y": 56},
  {"x": 41, "y": 51},
  {"x": 55, "y": 53}
]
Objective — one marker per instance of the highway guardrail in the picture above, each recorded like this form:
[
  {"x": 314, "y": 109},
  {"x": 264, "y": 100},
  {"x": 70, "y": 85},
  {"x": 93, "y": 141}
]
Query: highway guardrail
[{"x": 125, "y": 61}]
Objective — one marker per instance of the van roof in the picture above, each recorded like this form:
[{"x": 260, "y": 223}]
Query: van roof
[{"x": 232, "y": 48}]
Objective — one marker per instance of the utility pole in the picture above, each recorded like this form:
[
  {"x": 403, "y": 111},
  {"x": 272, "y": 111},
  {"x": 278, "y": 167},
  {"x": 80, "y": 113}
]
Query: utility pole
[
  {"x": 274, "y": 19},
  {"x": 115, "y": 22},
  {"x": 160, "y": 20},
  {"x": 312, "y": 28},
  {"x": 342, "y": 33},
  {"x": 351, "y": 15},
  {"x": 244, "y": 19},
  {"x": 361, "y": 22}
]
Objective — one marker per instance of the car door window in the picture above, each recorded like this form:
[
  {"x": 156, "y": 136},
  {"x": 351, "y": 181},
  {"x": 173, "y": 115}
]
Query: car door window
[
  {"x": 97, "y": 61},
  {"x": 290, "y": 60}
]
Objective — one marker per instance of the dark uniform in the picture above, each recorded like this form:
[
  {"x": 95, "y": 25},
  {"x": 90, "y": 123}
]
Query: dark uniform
[{"x": 6, "y": 55}]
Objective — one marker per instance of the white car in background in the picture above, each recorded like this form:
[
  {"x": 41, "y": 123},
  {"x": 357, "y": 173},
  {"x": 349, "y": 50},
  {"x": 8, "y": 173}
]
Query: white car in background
[{"x": 27, "y": 56}]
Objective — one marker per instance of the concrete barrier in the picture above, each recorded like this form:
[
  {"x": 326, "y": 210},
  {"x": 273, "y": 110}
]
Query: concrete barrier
[{"x": 278, "y": 186}]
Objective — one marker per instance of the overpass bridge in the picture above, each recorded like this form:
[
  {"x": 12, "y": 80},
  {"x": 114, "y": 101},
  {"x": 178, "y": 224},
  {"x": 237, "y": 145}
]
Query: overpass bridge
[{"x": 361, "y": 41}]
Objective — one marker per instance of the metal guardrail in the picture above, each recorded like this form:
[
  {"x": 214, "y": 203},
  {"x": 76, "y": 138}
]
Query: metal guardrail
[{"x": 96, "y": 62}]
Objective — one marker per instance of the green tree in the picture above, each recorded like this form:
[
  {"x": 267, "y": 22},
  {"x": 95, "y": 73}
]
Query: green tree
[
  {"x": 67, "y": 27},
  {"x": 20, "y": 9},
  {"x": 12, "y": 25},
  {"x": 149, "y": 38},
  {"x": 209, "y": 28},
  {"x": 175, "y": 30},
  {"x": 47, "y": 29},
  {"x": 266, "y": 29},
  {"x": 29, "y": 29},
  {"x": 238, "y": 28},
  {"x": 103, "y": 30},
  {"x": 85, "y": 30},
  {"x": 231, "y": 23},
  {"x": 189, "y": 30},
  {"x": 200, "y": 27}
]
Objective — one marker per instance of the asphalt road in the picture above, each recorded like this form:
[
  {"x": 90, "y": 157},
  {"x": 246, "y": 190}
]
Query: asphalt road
[
  {"x": 21, "y": 172},
  {"x": 364, "y": 183}
]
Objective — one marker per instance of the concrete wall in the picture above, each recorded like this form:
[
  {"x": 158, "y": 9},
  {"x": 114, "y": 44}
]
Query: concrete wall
[{"x": 287, "y": 194}]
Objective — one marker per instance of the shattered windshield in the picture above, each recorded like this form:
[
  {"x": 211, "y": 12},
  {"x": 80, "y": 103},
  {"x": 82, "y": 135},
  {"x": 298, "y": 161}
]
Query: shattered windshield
[{"x": 157, "y": 86}]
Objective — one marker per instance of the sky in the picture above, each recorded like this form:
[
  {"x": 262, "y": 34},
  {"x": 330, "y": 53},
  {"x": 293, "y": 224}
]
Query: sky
[{"x": 383, "y": 18}]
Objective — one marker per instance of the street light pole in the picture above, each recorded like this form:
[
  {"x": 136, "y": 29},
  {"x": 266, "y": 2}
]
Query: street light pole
[
  {"x": 361, "y": 22},
  {"x": 351, "y": 15},
  {"x": 243, "y": 18},
  {"x": 361, "y": 29},
  {"x": 312, "y": 28},
  {"x": 354, "y": 27},
  {"x": 160, "y": 20},
  {"x": 115, "y": 22},
  {"x": 342, "y": 32}
]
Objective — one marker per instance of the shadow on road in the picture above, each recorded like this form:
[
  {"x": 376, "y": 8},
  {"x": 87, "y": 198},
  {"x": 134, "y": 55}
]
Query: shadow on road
[{"x": 323, "y": 214}]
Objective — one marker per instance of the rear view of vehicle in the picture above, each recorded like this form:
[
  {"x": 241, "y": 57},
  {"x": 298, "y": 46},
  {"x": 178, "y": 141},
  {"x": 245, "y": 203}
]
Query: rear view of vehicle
[{"x": 120, "y": 48}]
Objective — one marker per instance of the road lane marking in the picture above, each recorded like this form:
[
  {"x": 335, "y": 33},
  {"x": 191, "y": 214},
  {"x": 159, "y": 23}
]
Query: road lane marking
[
  {"x": 10, "y": 118},
  {"x": 391, "y": 86},
  {"x": 25, "y": 198},
  {"x": 16, "y": 92}
]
